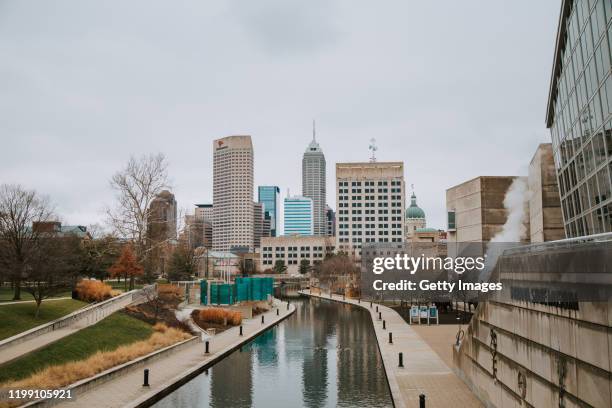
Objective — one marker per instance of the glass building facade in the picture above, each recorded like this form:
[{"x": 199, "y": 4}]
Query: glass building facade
[
  {"x": 268, "y": 196},
  {"x": 579, "y": 115},
  {"x": 298, "y": 216}
]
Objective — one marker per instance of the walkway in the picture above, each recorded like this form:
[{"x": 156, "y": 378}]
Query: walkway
[
  {"x": 424, "y": 372},
  {"x": 47, "y": 333},
  {"x": 18, "y": 302},
  {"x": 167, "y": 373}
]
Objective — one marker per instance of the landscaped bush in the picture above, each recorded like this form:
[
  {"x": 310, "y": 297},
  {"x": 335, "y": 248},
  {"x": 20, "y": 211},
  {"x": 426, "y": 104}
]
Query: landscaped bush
[
  {"x": 169, "y": 290},
  {"x": 62, "y": 375},
  {"x": 218, "y": 315},
  {"x": 93, "y": 290}
]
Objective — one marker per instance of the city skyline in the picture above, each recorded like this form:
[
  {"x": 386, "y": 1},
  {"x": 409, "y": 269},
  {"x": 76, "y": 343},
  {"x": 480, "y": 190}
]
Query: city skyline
[{"x": 103, "y": 100}]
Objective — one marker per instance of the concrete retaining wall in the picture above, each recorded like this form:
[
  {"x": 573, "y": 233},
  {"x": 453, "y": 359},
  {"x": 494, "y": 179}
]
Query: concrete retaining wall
[
  {"x": 92, "y": 382},
  {"x": 81, "y": 318},
  {"x": 518, "y": 353}
]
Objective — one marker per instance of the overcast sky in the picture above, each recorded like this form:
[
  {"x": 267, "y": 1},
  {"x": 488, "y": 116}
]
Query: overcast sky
[{"x": 454, "y": 89}]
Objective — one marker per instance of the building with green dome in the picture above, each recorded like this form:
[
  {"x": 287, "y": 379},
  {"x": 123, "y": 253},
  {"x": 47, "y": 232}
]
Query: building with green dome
[{"x": 415, "y": 218}]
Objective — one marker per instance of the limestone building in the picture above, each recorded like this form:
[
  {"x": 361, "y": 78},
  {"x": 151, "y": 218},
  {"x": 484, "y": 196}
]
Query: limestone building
[
  {"x": 292, "y": 249},
  {"x": 545, "y": 217},
  {"x": 475, "y": 209},
  {"x": 370, "y": 200}
]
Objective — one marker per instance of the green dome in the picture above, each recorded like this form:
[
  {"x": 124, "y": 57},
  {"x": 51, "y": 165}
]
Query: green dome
[
  {"x": 414, "y": 211},
  {"x": 425, "y": 230}
]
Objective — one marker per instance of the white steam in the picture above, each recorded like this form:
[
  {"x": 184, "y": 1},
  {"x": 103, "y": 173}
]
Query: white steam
[
  {"x": 515, "y": 203},
  {"x": 515, "y": 229}
]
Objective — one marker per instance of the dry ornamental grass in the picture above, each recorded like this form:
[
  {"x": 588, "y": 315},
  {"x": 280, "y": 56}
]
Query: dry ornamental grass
[
  {"x": 218, "y": 316},
  {"x": 65, "y": 374},
  {"x": 94, "y": 291}
]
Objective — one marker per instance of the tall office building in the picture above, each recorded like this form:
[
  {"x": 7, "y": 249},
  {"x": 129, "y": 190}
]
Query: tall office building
[
  {"x": 161, "y": 219},
  {"x": 258, "y": 223},
  {"x": 579, "y": 115},
  {"x": 268, "y": 196},
  {"x": 161, "y": 229},
  {"x": 298, "y": 216},
  {"x": 370, "y": 199},
  {"x": 233, "y": 193},
  {"x": 204, "y": 211},
  {"x": 314, "y": 184}
]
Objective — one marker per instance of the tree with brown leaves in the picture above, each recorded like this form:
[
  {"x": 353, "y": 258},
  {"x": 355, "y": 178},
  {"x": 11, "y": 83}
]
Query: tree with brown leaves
[{"x": 127, "y": 266}]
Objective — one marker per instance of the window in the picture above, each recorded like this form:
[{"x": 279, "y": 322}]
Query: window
[{"x": 451, "y": 221}]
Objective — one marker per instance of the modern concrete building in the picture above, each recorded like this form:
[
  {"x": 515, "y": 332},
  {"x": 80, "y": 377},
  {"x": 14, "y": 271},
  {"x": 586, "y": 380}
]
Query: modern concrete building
[
  {"x": 476, "y": 210},
  {"x": 268, "y": 196},
  {"x": 233, "y": 193},
  {"x": 370, "y": 199},
  {"x": 415, "y": 218},
  {"x": 204, "y": 211},
  {"x": 293, "y": 249},
  {"x": 314, "y": 184},
  {"x": 579, "y": 115},
  {"x": 298, "y": 216},
  {"x": 545, "y": 218}
]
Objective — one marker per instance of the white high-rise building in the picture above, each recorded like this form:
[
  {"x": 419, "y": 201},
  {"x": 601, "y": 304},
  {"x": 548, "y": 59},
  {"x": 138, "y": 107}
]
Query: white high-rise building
[
  {"x": 314, "y": 184},
  {"x": 233, "y": 193},
  {"x": 371, "y": 202}
]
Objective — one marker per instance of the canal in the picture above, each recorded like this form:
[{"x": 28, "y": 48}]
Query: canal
[{"x": 324, "y": 355}]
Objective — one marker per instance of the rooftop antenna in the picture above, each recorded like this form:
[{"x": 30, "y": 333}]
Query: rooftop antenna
[
  {"x": 314, "y": 139},
  {"x": 373, "y": 148}
]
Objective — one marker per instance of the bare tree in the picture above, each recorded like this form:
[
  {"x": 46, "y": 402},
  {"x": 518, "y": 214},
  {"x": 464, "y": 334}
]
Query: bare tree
[
  {"x": 20, "y": 209},
  {"x": 136, "y": 186},
  {"x": 53, "y": 267}
]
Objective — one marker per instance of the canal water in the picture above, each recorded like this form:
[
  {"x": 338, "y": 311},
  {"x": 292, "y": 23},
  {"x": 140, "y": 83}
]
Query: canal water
[{"x": 324, "y": 355}]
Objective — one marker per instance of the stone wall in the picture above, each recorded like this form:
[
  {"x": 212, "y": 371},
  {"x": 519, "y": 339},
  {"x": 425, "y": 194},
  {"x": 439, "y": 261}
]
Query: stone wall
[{"x": 530, "y": 354}]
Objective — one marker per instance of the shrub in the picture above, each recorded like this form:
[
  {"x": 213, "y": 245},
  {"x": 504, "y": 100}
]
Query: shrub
[
  {"x": 93, "y": 290},
  {"x": 218, "y": 315},
  {"x": 169, "y": 290}
]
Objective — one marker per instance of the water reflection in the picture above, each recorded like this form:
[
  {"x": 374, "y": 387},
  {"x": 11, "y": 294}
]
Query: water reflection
[{"x": 325, "y": 355}]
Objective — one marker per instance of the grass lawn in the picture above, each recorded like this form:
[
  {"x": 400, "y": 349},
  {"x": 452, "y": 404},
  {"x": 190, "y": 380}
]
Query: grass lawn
[
  {"x": 116, "y": 330},
  {"x": 6, "y": 294},
  {"x": 121, "y": 285},
  {"x": 20, "y": 317}
]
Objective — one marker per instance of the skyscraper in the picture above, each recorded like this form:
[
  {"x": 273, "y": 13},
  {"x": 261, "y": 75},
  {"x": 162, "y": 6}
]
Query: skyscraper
[
  {"x": 371, "y": 204},
  {"x": 233, "y": 193},
  {"x": 314, "y": 185},
  {"x": 268, "y": 196},
  {"x": 298, "y": 216},
  {"x": 258, "y": 223}
]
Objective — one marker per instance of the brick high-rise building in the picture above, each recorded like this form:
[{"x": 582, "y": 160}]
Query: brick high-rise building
[{"x": 233, "y": 193}]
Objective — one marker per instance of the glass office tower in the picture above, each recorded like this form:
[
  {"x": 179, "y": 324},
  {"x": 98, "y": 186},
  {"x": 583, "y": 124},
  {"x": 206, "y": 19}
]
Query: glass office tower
[
  {"x": 298, "y": 216},
  {"x": 268, "y": 196},
  {"x": 579, "y": 115}
]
